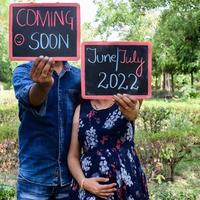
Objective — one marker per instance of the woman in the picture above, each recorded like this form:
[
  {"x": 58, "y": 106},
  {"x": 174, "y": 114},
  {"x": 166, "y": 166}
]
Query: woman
[{"x": 108, "y": 167}]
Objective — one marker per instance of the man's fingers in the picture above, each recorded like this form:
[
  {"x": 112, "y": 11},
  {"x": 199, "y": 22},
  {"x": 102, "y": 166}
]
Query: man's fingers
[
  {"x": 41, "y": 66},
  {"x": 47, "y": 69},
  {"x": 35, "y": 64}
]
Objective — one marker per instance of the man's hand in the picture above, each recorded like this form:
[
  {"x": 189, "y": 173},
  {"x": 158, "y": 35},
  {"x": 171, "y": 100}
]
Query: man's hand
[
  {"x": 94, "y": 185},
  {"x": 128, "y": 106},
  {"x": 41, "y": 72}
]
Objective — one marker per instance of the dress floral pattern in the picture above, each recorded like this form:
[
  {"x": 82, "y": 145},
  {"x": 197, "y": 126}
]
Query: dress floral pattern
[{"x": 106, "y": 138}]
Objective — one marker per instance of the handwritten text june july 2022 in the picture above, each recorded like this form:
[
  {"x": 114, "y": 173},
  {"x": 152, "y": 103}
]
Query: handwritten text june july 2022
[{"x": 119, "y": 57}]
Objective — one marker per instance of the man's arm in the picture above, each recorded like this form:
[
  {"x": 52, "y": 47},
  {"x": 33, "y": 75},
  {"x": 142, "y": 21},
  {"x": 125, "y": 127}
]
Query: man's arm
[{"x": 41, "y": 74}]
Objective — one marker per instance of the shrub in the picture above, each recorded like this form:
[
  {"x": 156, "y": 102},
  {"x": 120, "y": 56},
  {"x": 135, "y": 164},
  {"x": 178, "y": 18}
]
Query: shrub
[
  {"x": 154, "y": 118},
  {"x": 188, "y": 92},
  {"x": 8, "y": 122},
  {"x": 171, "y": 194},
  {"x": 157, "y": 116},
  {"x": 161, "y": 152},
  {"x": 7, "y": 192}
]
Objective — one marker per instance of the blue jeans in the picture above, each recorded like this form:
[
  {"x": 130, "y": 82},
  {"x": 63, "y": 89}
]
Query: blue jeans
[{"x": 31, "y": 191}]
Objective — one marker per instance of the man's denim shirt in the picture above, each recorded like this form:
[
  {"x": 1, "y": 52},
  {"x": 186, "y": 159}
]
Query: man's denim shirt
[{"x": 45, "y": 132}]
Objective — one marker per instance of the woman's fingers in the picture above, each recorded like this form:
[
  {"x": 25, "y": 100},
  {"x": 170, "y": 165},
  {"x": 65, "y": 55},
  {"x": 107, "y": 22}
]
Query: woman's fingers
[
  {"x": 101, "y": 179},
  {"x": 95, "y": 186},
  {"x": 125, "y": 101},
  {"x": 109, "y": 190},
  {"x": 108, "y": 186},
  {"x": 119, "y": 101}
]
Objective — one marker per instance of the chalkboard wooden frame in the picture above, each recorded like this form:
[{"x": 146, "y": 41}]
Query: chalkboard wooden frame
[
  {"x": 13, "y": 5},
  {"x": 107, "y": 43}
]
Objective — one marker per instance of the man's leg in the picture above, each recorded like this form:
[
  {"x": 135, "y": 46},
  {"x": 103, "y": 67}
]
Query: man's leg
[
  {"x": 30, "y": 191},
  {"x": 63, "y": 193}
]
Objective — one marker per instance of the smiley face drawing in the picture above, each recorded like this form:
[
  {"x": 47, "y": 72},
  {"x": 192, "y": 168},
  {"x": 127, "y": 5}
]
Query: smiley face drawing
[{"x": 19, "y": 39}]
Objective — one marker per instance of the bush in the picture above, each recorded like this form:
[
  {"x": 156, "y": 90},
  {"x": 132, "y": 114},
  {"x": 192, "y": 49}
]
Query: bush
[
  {"x": 161, "y": 152},
  {"x": 188, "y": 92},
  {"x": 8, "y": 122},
  {"x": 7, "y": 192},
  {"x": 154, "y": 118},
  {"x": 168, "y": 192}
]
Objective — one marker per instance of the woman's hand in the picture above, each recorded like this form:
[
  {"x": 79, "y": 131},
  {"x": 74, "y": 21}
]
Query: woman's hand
[
  {"x": 94, "y": 186},
  {"x": 128, "y": 106}
]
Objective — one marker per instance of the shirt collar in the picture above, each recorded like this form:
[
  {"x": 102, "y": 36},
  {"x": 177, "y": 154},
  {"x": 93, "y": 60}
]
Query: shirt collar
[{"x": 66, "y": 66}]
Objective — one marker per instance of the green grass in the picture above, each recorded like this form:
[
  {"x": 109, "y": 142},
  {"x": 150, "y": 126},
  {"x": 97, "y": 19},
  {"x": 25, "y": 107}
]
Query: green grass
[{"x": 190, "y": 104}]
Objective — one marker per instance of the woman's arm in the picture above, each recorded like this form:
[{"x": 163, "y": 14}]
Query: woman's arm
[
  {"x": 93, "y": 185},
  {"x": 74, "y": 150}
]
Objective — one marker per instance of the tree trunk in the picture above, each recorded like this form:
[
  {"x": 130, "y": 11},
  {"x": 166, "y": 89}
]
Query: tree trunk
[
  {"x": 156, "y": 83},
  {"x": 172, "y": 83},
  {"x": 192, "y": 79},
  {"x": 166, "y": 86},
  {"x": 172, "y": 172}
]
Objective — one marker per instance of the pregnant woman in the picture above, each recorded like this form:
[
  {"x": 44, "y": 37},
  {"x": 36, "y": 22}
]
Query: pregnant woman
[{"x": 102, "y": 158}]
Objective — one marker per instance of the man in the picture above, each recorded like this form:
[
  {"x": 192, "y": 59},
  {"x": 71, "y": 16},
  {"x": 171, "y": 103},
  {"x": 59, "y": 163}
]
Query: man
[{"x": 48, "y": 93}]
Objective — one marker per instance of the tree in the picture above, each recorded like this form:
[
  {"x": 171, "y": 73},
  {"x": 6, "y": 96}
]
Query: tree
[
  {"x": 177, "y": 40},
  {"x": 129, "y": 18},
  {"x": 5, "y": 64}
]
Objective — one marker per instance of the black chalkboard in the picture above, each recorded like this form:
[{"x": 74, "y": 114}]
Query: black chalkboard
[
  {"x": 109, "y": 68},
  {"x": 44, "y": 29}
]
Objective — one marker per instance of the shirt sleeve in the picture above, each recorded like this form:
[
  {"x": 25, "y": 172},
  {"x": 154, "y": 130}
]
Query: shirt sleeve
[{"x": 22, "y": 84}]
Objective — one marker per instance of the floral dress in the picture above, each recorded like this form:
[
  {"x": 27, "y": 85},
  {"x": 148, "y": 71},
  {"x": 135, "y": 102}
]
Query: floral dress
[{"x": 106, "y": 139}]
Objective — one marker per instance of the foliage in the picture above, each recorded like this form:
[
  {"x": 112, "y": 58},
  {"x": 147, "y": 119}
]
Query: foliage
[
  {"x": 173, "y": 27},
  {"x": 161, "y": 152},
  {"x": 5, "y": 64},
  {"x": 8, "y": 122},
  {"x": 167, "y": 134},
  {"x": 189, "y": 92},
  {"x": 154, "y": 118},
  {"x": 7, "y": 192},
  {"x": 129, "y": 18},
  {"x": 167, "y": 191},
  {"x": 179, "y": 52}
]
